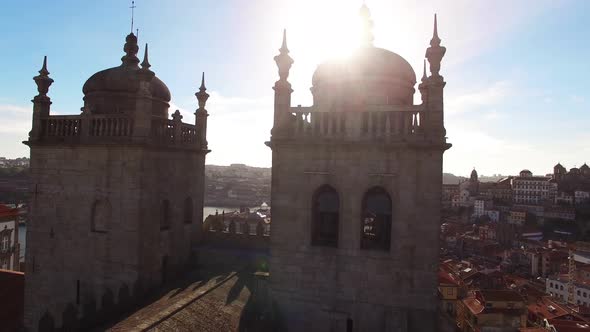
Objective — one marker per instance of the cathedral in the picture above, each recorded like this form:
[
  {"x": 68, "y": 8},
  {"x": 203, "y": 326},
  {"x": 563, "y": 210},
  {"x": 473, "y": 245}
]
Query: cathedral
[
  {"x": 117, "y": 195},
  {"x": 356, "y": 193}
]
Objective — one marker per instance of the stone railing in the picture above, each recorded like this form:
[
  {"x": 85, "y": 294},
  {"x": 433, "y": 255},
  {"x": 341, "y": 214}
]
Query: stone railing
[
  {"x": 104, "y": 128},
  {"x": 374, "y": 122},
  {"x": 188, "y": 134},
  {"x": 110, "y": 125},
  {"x": 165, "y": 131},
  {"x": 61, "y": 126}
]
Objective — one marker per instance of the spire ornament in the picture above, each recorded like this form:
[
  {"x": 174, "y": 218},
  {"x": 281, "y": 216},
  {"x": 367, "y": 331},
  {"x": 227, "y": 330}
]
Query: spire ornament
[
  {"x": 424, "y": 76},
  {"x": 366, "y": 37},
  {"x": 202, "y": 95},
  {"x": 145, "y": 64},
  {"x": 283, "y": 60},
  {"x": 130, "y": 58},
  {"x": 43, "y": 80},
  {"x": 435, "y": 52},
  {"x": 201, "y": 114}
]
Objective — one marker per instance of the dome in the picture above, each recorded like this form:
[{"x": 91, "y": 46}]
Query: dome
[
  {"x": 367, "y": 62},
  {"x": 526, "y": 173},
  {"x": 123, "y": 79},
  {"x": 474, "y": 176},
  {"x": 114, "y": 90},
  {"x": 369, "y": 73}
]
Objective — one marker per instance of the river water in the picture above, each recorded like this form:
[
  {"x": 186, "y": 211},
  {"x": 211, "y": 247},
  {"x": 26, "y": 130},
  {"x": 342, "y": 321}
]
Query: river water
[{"x": 207, "y": 210}]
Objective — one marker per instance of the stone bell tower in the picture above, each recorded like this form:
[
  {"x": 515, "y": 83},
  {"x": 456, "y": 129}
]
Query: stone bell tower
[
  {"x": 356, "y": 193},
  {"x": 117, "y": 195}
]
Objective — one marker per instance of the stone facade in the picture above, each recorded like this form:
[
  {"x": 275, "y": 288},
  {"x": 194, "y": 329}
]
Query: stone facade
[
  {"x": 117, "y": 196},
  {"x": 360, "y": 142}
]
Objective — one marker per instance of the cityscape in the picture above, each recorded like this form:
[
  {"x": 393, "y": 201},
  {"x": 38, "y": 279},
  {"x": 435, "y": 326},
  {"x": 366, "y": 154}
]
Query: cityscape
[{"x": 386, "y": 201}]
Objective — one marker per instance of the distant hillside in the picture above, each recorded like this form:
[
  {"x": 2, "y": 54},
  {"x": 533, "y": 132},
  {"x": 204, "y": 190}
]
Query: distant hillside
[
  {"x": 236, "y": 185},
  {"x": 225, "y": 186},
  {"x": 449, "y": 178}
]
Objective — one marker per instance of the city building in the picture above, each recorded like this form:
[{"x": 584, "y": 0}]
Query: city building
[
  {"x": 558, "y": 212},
  {"x": 517, "y": 217},
  {"x": 557, "y": 287},
  {"x": 480, "y": 206},
  {"x": 529, "y": 189},
  {"x": 448, "y": 290},
  {"x": 491, "y": 310},
  {"x": 117, "y": 195},
  {"x": 9, "y": 244},
  {"x": 356, "y": 193}
]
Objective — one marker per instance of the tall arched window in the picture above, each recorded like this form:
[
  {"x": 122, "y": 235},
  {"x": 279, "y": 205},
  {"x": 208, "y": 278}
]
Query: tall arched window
[
  {"x": 376, "y": 220},
  {"x": 101, "y": 216},
  {"x": 188, "y": 211},
  {"x": 165, "y": 215},
  {"x": 325, "y": 217}
]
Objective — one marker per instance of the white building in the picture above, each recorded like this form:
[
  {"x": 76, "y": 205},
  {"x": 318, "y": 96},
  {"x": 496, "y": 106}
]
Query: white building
[
  {"x": 529, "y": 189},
  {"x": 9, "y": 247},
  {"x": 556, "y": 286}
]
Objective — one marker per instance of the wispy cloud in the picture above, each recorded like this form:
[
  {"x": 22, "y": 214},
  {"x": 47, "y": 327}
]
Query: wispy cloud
[
  {"x": 476, "y": 99},
  {"x": 16, "y": 119}
]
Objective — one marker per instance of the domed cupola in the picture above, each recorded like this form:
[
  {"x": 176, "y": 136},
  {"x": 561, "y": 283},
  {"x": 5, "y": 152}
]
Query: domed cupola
[
  {"x": 371, "y": 75},
  {"x": 115, "y": 90}
]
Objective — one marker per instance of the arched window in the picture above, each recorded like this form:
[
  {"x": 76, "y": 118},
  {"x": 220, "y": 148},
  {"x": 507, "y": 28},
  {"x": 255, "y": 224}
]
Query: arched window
[
  {"x": 376, "y": 220},
  {"x": 325, "y": 216},
  {"x": 188, "y": 211},
  {"x": 165, "y": 215},
  {"x": 101, "y": 216}
]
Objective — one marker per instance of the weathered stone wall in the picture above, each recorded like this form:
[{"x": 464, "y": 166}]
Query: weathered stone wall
[
  {"x": 318, "y": 288},
  {"x": 75, "y": 274}
]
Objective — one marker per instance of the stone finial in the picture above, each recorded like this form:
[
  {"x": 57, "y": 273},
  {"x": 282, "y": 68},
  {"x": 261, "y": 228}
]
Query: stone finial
[
  {"x": 130, "y": 58},
  {"x": 176, "y": 116},
  {"x": 145, "y": 74},
  {"x": 43, "y": 80},
  {"x": 435, "y": 52},
  {"x": 435, "y": 41},
  {"x": 367, "y": 37},
  {"x": 283, "y": 60},
  {"x": 424, "y": 76},
  {"x": 145, "y": 64},
  {"x": 202, "y": 95}
]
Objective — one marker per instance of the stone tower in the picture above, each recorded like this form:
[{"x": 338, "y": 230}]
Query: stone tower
[
  {"x": 356, "y": 193},
  {"x": 117, "y": 195}
]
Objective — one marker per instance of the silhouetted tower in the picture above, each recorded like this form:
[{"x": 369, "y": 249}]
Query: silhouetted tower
[
  {"x": 117, "y": 196},
  {"x": 356, "y": 193}
]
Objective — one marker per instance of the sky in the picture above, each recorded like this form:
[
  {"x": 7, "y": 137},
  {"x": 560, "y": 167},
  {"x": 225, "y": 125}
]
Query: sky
[{"x": 517, "y": 92}]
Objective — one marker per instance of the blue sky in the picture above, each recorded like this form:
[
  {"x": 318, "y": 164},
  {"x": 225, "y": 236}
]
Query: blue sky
[{"x": 517, "y": 72}]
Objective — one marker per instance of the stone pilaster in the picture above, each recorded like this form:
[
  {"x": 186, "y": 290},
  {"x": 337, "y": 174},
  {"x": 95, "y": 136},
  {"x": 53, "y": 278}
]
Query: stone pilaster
[{"x": 143, "y": 106}]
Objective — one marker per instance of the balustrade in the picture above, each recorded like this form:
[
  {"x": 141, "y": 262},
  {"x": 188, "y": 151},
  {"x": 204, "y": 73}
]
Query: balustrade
[
  {"x": 109, "y": 126},
  {"x": 378, "y": 123},
  {"x": 61, "y": 126},
  {"x": 114, "y": 127}
]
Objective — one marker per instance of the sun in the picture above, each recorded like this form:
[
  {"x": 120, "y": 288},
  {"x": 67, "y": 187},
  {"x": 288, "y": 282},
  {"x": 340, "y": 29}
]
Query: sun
[{"x": 329, "y": 28}]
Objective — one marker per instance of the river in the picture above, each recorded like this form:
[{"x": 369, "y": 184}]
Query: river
[{"x": 207, "y": 210}]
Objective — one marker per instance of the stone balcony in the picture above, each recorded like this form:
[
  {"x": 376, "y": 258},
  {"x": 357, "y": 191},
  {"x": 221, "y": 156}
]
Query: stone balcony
[
  {"x": 116, "y": 129},
  {"x": 387, "y": 123}
]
